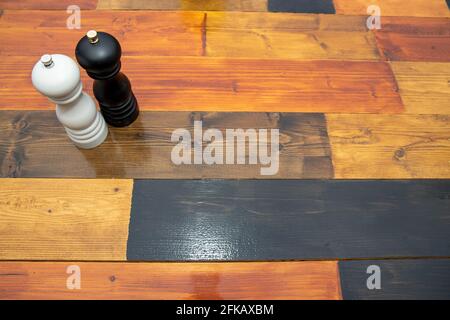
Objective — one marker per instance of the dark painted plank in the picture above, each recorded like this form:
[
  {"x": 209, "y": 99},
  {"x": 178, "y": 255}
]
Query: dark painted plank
[
  {"x": 448, "y": 3},
  {"x": 302, "y": 6},
  {"x": 281, "y": 219},
  {"x": 399, "y": 279},
  {"x": 34, "y": 144}
]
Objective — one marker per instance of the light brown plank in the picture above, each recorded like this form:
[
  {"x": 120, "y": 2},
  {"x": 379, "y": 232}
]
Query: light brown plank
[
  {"x": 414, "y": 39},
  {"x": 212, "y": 281},
  {"x": 417, "y": 8},
  {"x": 287, "y": 35},
  {"x": 139, "y": 32},
  {"x": 424, "y": 86},
  {"x": 54, "y": 219},
  {"x": 390, "y": 146},
  {"x": 47, "y": 4},
  {"x": 203, "y": 5},
  {"x": 224, "y": 84}
]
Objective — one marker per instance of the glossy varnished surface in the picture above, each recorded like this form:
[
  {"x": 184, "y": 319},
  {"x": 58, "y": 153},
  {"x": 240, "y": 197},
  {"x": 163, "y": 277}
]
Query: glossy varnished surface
[
  {"x": 212, "y": 281},
  {"x": 380, "y": 97},
  {"x": 33, "y": 144},
  {"x": 276, "y": 219}
]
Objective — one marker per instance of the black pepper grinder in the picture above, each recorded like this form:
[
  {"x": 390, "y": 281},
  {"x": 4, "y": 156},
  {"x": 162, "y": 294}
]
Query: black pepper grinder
[{"x": 99, "y": 53}]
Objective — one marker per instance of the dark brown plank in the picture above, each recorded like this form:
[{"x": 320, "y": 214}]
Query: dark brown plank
[
  {"x": 414, "y": 39},
  {"x": 34, "y": 144},
  {"x": 212, "y": 281},
  {"x": 173, "y": 220},
  {"x": 418, "y": 279}
]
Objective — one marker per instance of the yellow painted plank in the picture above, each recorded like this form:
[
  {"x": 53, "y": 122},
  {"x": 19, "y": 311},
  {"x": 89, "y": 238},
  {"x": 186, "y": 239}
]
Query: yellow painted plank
[
  {"x": 207, "y": 5},
  {"x": 287, "y": 35},
  {"x": 64, "y": 219},
  {"x": 424, "y": 86},
  {"x": 379, "y": 146},
  {"x": 416, "y": 8}
]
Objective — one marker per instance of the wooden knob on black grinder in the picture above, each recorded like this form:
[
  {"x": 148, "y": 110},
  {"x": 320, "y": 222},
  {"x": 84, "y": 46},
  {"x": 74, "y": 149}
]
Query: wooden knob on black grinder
[{"x": 99, "y": 54}]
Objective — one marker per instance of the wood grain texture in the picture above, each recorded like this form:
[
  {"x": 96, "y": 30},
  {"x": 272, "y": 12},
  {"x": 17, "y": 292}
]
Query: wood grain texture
[
  {"x": 158, "y": 281},
  {"x": 414, "y": 39},
  {"x": 418, "y": 279},
  {"x": 424, "y": 86},
  {"x": 231, "y": 84},
  {"x": 417, "y": 8},
  {"x": 203, "y": 5},
  {"x": 139, "y": 32},
  {"x": 287, "y": 35},
  {"x": 390, "y": 146},
  {"x": 51, "y": 219},
  {"x": 301, "y": 6},
  {"x": 34, "y": 144},
  {"x": 47, "y": 4},
  {"x": 288, "y": 219}
]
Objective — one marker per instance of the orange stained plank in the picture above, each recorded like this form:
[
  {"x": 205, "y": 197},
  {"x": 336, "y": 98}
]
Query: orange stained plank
[
  {"x": 47, "y": 4},
  {"x": 241, "y": 280},
  {"x": 419, "y": 8},
  {"x": 233, "y": 84},
  {"x": 139, "y": 32},
  {"x": 288, "y": 35},
  {"x": 414, "y": 39}
]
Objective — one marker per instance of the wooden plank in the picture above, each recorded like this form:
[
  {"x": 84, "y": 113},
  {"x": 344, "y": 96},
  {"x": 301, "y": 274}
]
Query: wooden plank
[
  {"x": 139, "y": 32},
  {"x": 34, "y": 144},
  {"x": 47, "y": 4},
  {"x": 54, "y": 219},
  {"x": 204, "y": 5},
  {"x": 418, "y": 279},
  {"x": 288, "y": 219},
  {"x": 424, "y": 86},
  {"x": 287, "y": 35},
  {"x": 212, "y": 281},
  {"x": 390, "y": 146},
  {"x": 416, "y": 8},
  {"x": 414, "y": 39},
  {"x": 231, "y": 84},
  {"x": 302, "y": 6}
]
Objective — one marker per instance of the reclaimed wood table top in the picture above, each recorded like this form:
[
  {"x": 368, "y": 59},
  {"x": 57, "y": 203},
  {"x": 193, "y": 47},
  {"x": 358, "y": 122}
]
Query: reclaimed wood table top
[{"x": 364, "y": 153}]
